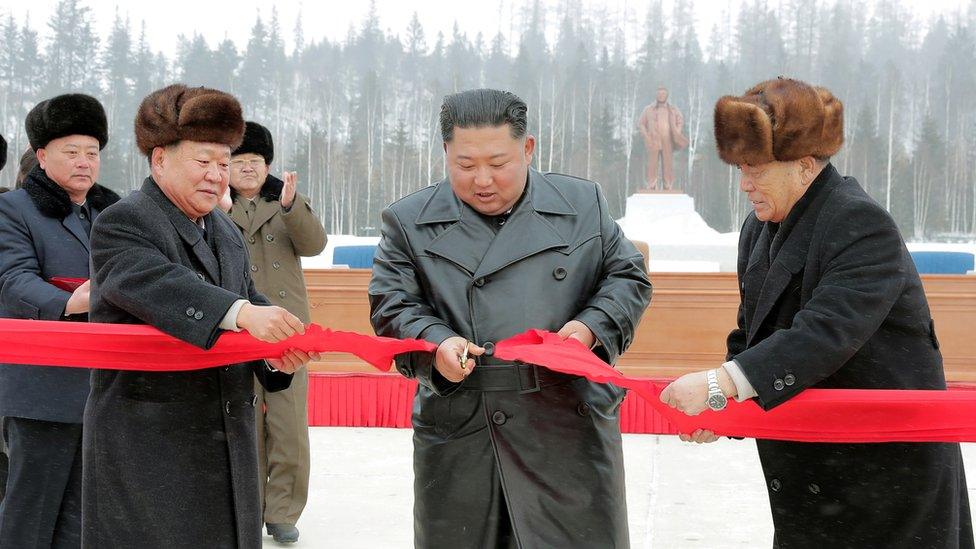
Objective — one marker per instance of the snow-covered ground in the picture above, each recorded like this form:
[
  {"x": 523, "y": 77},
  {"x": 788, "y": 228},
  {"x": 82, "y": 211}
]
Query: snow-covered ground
[{"x": 679, "y": 495}]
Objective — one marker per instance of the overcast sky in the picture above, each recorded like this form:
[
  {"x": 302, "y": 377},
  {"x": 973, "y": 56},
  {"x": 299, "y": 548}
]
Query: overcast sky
[{"x": 217, "y": 19}]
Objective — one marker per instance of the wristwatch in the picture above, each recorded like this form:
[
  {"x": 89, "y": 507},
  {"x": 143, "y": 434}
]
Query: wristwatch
[{"x": 716, "y": 399}]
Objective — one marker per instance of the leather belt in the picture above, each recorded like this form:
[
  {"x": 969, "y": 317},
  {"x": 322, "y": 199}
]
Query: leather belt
[{"x": 520, "y": 377}]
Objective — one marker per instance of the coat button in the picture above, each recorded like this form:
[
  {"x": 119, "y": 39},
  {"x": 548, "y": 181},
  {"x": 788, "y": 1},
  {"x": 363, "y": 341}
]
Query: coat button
[
  {"x": 489, "y": 348},
  {"x": 270, "y": 238},
  {"x": 281, "y": 293},
  {"x": 814, "y": 489},
  {"x": 583, "y": 409},
  {"x": 199, "y": 315},
  {"x": 254, "y": 268},
  {"x": 559, "y": 273},
  {"x": 190, "y": 311},
  {"x": 251, "y": 240},
  {"x": 227, "y": 407},
  {"x": 778, "y": 385},
  {"x": 775, "y": 485},
  {"x": 789, "y": 379},
  {"x": 276, "y": 265},
  {"x": 479, "y": 282},
  {"x": 499, "y": 418},
  {"x": 254, "y": 401},
  {"x": 200, "y": 276}
]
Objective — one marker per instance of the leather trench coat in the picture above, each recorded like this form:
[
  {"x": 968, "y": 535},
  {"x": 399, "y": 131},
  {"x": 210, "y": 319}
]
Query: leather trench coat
[{"x": 511, "y": 443}]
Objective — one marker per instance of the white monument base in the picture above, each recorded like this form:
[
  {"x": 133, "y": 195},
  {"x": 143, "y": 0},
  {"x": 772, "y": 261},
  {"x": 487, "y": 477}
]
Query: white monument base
[{"x": 678, "y": 238}]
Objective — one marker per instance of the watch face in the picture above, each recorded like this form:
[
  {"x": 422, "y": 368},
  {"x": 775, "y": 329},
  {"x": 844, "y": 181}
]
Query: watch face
[{"x": 717, "y": 402}]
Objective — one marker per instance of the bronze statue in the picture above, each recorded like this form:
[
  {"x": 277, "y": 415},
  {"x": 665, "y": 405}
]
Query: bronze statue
[{"x": 660, "y": 124}]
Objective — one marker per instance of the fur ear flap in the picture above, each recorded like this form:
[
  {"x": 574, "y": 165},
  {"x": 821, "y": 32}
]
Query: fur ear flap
[
  {"x": 743, "y": 132},
  {"x": 832, "y": 138}
]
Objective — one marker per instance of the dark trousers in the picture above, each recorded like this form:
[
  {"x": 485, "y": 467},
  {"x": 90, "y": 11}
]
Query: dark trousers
[{"x": 42, "y": 506}]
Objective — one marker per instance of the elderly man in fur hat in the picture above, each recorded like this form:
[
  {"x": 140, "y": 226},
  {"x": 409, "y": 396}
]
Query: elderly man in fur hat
[
  {"x": 279, "y": 227},
  {"x": 170, "y": 458},
  {"x": 830, "y": 299},
  {"x": 44, "y": 235}
]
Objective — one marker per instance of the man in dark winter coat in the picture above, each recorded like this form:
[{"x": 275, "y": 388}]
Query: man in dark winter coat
[
  {"x": 170, "y": 458},
  {"x": 508, "y": 455},
  {"x": 279, "y": 227},
  {"x": 44, "y": 232},
  {"x": 830, "y": 299}
]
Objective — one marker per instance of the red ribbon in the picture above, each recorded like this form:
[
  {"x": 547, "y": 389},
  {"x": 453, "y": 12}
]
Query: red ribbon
[{"x": 815, "y": 415}]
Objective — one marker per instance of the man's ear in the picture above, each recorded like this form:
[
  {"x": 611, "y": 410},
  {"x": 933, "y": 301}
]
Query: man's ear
[
  {"x": 41, "y": 155},
  {"x": 809, "y": 169},
  {"x": 157, "y": 159},
  {"x": 529, "y": 147}
]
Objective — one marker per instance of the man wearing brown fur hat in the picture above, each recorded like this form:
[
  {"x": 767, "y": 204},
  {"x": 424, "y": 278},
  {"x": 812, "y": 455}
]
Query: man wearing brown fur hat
[
  {"x": 170, "y": 458},
  {"x": 280, "y": 227},
  {"x": 830, "y": 298},
  {"x": 44, "y": 234}
]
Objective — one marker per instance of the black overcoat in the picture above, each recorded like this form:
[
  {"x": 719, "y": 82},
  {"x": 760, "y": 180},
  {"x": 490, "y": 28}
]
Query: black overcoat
[
  {"x": 831, "y": 299},
  {"x": 170, "y": 459},
  {"x": 552, "y": 456}
]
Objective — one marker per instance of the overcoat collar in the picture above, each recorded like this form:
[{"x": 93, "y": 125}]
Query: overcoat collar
[
  {"x": 786, "y": 251},
  {"x": 190, "y": 233},
  {"x": 267, "y": 204},
  {"x": 52, "y": 201},
  {"x": 473, "y": 245}
]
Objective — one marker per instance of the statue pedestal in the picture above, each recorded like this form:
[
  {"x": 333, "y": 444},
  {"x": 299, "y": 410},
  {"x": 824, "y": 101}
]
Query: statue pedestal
[
  {"x": 657, "y": 205},
  {"x": 677, "y": 237}
]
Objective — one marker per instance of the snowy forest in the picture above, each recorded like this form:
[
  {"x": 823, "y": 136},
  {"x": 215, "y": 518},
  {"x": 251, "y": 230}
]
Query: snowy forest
[{"x": 357, "y": 117}]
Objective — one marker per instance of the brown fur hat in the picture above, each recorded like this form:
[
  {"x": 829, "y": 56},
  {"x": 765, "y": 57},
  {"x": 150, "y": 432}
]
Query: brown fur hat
[
  {"x": 176, "y": 113},
  {"x": 778, "y": 120}
]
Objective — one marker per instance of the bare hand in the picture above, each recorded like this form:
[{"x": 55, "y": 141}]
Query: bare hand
[
  {"x": 577, "y": 330},
  {"x": 289, "y": 189},
  {"x": 226, "y": 202},
  {"x": 447, "y": 360},
  {"x": 293, "y": 360},
  {"x": 701, "y": 436},
  {"x": 79, "y": 303},
  {"x": 689, "y": 393},
  {"x": 268, "y": 322}
]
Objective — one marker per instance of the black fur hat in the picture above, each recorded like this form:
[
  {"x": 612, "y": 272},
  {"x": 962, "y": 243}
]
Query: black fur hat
[
  {"x": 257, "y": 140},
  {"x": 68, "y": 114},
  {"x": 3, "y": 152}
]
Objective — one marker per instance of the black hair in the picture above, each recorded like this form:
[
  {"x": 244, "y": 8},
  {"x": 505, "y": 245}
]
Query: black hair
[{"x": 483, "y": 108}]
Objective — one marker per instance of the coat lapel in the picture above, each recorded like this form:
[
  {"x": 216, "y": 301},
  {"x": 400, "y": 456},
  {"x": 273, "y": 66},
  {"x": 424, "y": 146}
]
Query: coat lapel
[
  {"x": 527, "y": 231},
  {"x": 73, "y": 225},
  {"x": 229, "y": 249},
  {"x": 465, "y": 241},
  {"x": 472, "y": 245},
  {"x": 788, "y": 249},
  {"x": 263, "y": 213},
  {"x": 238, "y": 215},
  {"x": 187, "y": 230}
]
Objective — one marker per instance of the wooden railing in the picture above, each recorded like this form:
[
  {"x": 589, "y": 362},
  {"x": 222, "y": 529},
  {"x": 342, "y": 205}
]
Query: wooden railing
[{"x": 683, "y": 330}]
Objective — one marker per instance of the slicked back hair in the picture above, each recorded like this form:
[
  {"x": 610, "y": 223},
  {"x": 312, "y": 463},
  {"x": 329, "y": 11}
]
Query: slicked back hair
[{"x": 483, "y": 108}]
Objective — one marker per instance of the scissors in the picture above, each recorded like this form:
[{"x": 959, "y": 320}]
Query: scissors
[{"x": 464, "y": 357}]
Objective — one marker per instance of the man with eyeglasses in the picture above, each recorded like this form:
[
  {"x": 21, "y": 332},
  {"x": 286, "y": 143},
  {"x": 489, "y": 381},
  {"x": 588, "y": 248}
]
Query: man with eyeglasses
[{"x": 279, "y": 227}]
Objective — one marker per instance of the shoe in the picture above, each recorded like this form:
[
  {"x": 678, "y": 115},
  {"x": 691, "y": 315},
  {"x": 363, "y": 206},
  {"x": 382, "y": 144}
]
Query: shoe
[{"x": 283, "y": 533}]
